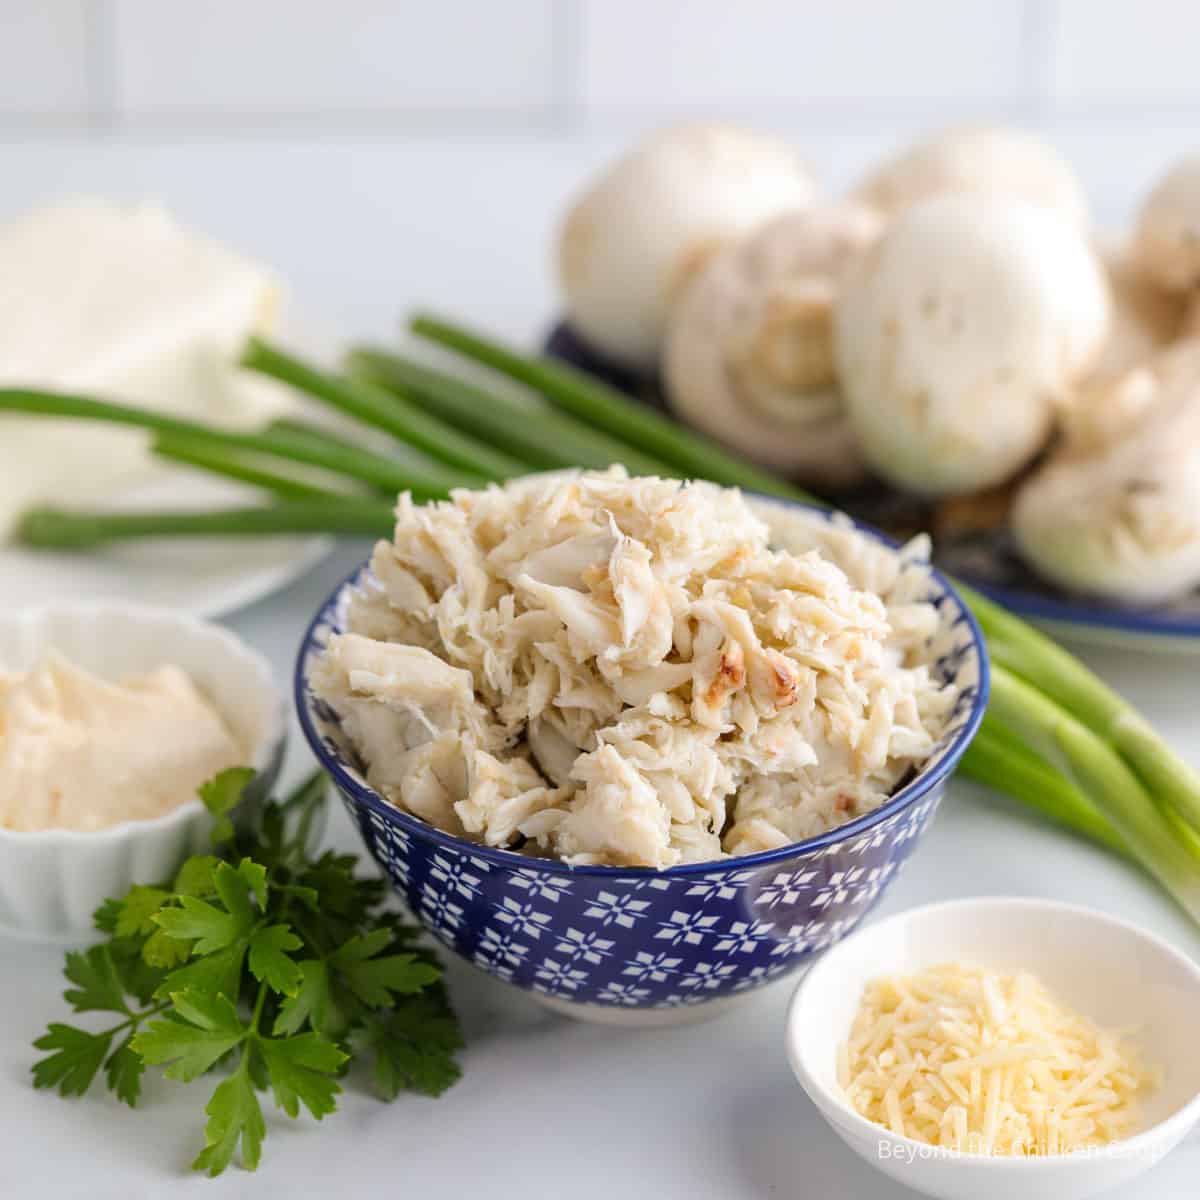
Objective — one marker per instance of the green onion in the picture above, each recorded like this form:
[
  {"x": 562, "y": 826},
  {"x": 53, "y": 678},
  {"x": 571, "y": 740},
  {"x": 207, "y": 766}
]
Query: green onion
[
  {"x": 296, "y": 427},
  {"x": 64, "y": 529},
  {"x": 383, "y": 410},
  {"x": 1039, "y": 661},
  {"x": 216, "y": 462},
  {"x": 1105, "y": 777},
  {"x": 996, "y": 754},
  {"x": 608, "y": 409},
  {"x": 363, "y": 465},
  {"x": 539, "y": 436},
  {"x": 401, "y": 452}
]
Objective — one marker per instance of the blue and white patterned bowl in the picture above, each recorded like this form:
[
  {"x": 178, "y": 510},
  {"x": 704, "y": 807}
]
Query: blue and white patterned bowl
[{"x": 634, "y": 945}]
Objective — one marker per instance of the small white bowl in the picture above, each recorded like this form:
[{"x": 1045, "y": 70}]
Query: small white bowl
[
  {"x": 52, "y": 880},
  {"x": 1116, "y": 974}
]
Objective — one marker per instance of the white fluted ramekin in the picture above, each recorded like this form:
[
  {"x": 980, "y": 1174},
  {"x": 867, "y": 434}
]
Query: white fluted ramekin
[{"x": 52, "y": 880}]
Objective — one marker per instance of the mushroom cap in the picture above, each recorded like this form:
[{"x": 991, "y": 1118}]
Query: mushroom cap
[
  {"x": 1167, "y": 241},
  {"x": 958, "y": 331},
  {"x": 631, "y": 242},
  {"x": 1191, "y": 319},
  {"x": 1103, "y": 411},
  {"x": 1145, "y": 317},
  {"x": 1119, "y": 516},
  {"x": 994, "y": 160},
  {"x": 749, "y": 351}
]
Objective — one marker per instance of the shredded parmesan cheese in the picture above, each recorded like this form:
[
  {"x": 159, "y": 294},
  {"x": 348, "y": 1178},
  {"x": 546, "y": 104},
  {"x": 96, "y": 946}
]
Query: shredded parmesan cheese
[{"x": 984, "y": 1062}]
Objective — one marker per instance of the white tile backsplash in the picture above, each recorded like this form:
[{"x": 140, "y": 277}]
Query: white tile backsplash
[
  {"x": 233, "y": 58},
  {"x": 654, "y": 54},
  {"x": 843, "y": 76},
  {"x": 43, "y": 59},
  {"x": 1133, "y": 51}
]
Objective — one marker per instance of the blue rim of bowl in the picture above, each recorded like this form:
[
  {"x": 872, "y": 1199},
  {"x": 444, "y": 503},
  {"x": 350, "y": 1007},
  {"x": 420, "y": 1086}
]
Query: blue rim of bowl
[{"x": 906, "y": 796}]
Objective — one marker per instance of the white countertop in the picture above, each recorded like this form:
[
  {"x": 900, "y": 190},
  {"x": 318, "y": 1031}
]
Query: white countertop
[{"x": 546, "y": 1106}]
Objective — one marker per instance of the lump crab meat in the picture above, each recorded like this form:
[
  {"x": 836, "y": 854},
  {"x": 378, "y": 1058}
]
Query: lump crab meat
[{"x": 600, "y": 668}]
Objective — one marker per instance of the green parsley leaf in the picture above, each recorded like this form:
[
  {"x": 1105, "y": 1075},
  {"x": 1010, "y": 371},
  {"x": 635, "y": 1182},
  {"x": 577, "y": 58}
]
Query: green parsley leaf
[
  {"x": 313, "y": 1003},
  {"x": 233, "y": 1114},
  {"x": 254, "y": 875},
  {"x": 137, "y": 909},
  {"x": 218, "y": 974},
  {"x": 302, "y": 1070},
  {"x": 269, "y": 961},
  {"x": 263, "y": 962},
  {"x": 139, "y": 978},
  {"x": 204, "y": 1031},
  {"x": 212, "y": 928},
  {"x": 123, "y": 1072},
  {"x": 309, "y": 897},
  {"x": 346, "y": 900},
  {"x": 256, "y": 1065},
  {"x": 233, "y": 891},
  {"x": 78, "y": 1057},
  {"x": 415, "y": 1047},
  {"x": 164, "y": 951},
  {"x": 213, "y": 1013},
  {"x": 195, "y": 877},
  {"x": 99, "y": 987},
  {"x": 106, "y": 916},
  {"x": 221, "y": 795},
  {"x": 373, "y": 979}
]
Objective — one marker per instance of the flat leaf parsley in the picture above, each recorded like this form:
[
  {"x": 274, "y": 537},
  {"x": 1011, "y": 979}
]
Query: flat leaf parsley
[{"x": 259, "y": 961}]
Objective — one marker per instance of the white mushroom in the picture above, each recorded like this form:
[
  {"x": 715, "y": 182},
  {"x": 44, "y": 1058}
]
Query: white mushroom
[
  {"x": 1119, "y": 515},
  {"x": 1145, "y": 320},
  {"x": 634, "y": 239},
  {"x": 749, "y": 351},
  {"x": 998, "y": 161},
  {"x": 1145, "y": 317},
  {"x": 958, "y": 332},
  {"x": 1191, "y": 319},
  {"x": 1102, "y": 411},
  {"x": 1167, "y": 242}
]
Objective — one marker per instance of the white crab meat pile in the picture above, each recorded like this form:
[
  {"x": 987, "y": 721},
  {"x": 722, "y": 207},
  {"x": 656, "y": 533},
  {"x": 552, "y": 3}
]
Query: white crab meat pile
[{"x": 632, "y": 672}]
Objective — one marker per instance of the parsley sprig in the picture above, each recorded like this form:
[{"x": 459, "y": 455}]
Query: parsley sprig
[{"x": 258, "y": 960}]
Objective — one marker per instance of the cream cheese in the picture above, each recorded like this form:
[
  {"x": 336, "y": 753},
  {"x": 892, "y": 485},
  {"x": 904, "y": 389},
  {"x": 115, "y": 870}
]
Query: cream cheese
[
  {"x": 121, "y": 303},
  {"x": 79, "y": 752}
]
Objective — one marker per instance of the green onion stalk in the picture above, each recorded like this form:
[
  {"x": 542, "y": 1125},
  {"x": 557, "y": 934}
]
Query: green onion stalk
[
  {"x": 611, "y": 411},
  {"x": 189, "y": 452},
  {"x": 373, "y": 406},
  {"x": 1055, "y": 736},
  {"x": 61, "y": 529},
  {"x": 540, "y": 436},
  {"x": 364, "y": 466}
]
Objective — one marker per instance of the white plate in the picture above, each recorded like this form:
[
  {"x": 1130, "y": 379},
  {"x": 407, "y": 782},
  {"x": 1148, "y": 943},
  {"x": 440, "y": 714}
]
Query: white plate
[{"x": 201, "y": 577}]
